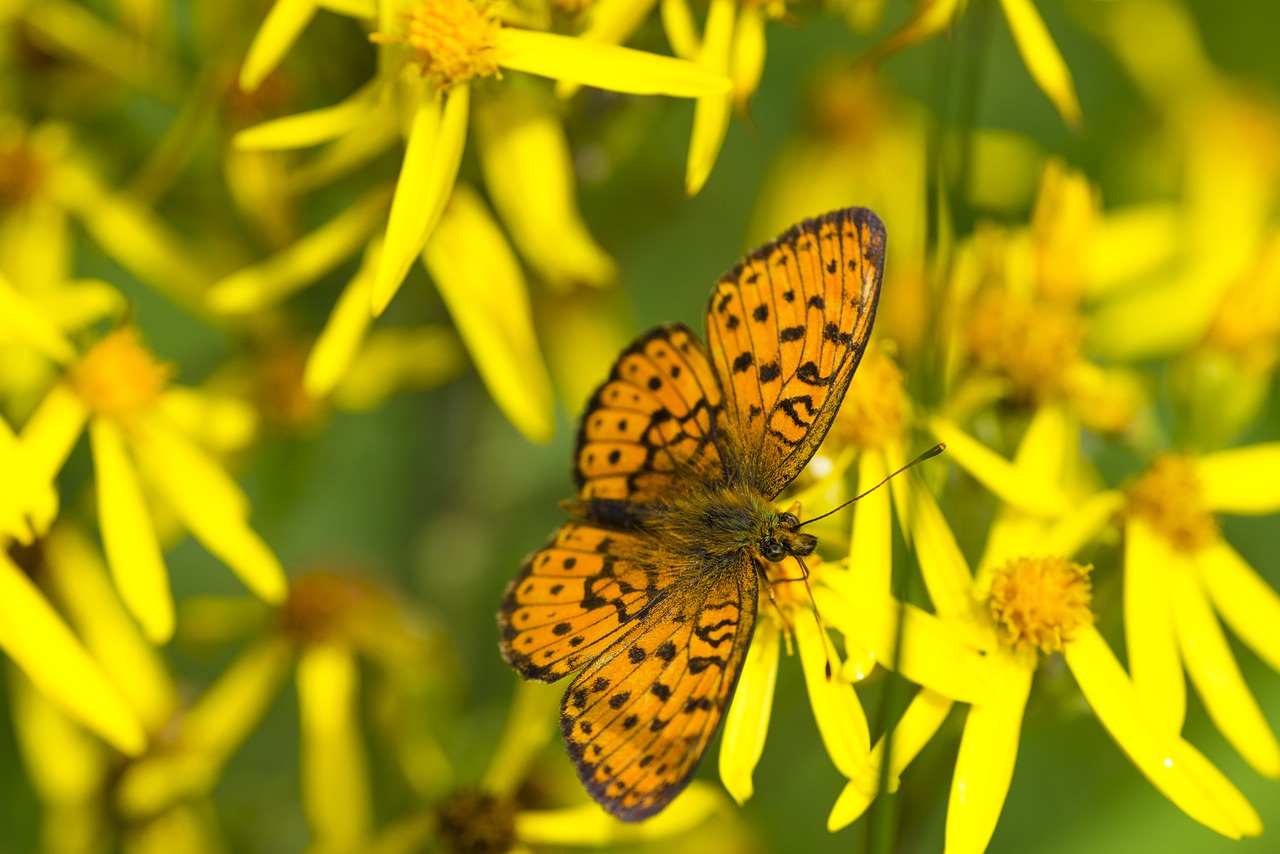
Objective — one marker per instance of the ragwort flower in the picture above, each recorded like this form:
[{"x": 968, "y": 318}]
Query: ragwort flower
[
  {"x": 140, "y": 432},
  {"x": 1029, "y": 599}
]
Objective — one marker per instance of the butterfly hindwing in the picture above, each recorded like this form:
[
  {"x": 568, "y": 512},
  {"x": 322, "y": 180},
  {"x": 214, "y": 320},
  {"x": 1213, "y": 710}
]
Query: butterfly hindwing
[
  {"x": 571, "y": 597},
  {"x": 652, "y": 422},
  {"x": 787, "y": 327},
  {"x": 637, "y": 720}
]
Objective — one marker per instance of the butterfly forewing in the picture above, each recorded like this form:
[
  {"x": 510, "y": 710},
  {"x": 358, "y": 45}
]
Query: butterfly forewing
[
  {"x": 638, "y": 719},
  {"x": 787, "y": 328},
  {"x": 571, "y": 597},
  {"x": 652, "y": 422}
]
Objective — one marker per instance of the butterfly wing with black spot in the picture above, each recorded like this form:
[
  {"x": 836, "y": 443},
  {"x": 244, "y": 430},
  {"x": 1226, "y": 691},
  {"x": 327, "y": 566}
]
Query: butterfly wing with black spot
[
  {"x": 652, "y": 423},
  {"x": 638, "y": 719},
  {"x": 787, "y": 327},
  {"x": 571, "y": 597}
]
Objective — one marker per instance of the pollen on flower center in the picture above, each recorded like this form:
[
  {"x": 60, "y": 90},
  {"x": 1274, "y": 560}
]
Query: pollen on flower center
[
  {"x": 119, "y": 376},
  {"x": 324, "y": 606},
  {"x": 454, "y": 40},
  {"x": 1029, "y": 344},
  {"x": 1040, "y": 603},
  {"x": 1167, "y": 497},
  {"x": 875, "y": 409}
]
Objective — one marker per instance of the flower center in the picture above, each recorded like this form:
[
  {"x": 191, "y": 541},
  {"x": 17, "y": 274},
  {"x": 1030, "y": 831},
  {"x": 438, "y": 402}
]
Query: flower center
[
  {"x": 453, "y": 41},
  {"x": 1167, "y": 496},
  {"x": 473, "y": 822},
  {"x": 1246, "y": 325},
  {"x": 324, "y": 606},
  {"x": 1029, "y": 344},
  {"x": 119, "y": 376},
  {"x": 875, "y": 408},
  {"x": 1040, "y": 603},
  {"x": 21, "y": 173}
]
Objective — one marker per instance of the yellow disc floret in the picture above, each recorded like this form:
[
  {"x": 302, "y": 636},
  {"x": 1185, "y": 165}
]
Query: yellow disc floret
[
  {"x": 875, "y": 409},
  {"x": 119, "y": 376},
  {"x": 1031, "y": 345},
  {"x": 1167, "y": 497},
  {"x": 453, "y": 40},
  {"x": 1040, "y": 603}
]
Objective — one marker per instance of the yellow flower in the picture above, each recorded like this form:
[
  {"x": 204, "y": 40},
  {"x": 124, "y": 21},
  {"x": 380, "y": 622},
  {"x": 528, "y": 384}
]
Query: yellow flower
[
  {"x": 1020, "y": 314},
  {"x": 430, "y": 52},
  {"x": 1039, "y": 53},
  {"x": 139, "y": 439},
  {"x": 1029, "y": 599},
  {"x": 1181, "y": 576}
]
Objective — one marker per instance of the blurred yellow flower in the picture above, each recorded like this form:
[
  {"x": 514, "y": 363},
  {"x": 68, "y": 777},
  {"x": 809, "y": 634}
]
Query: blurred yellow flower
[
  {"x": 120, "y": 391},
  {"x": 1028, "y": 598},
  {"x": 1039, "y": 53},
  {"x": 1181, "y": 576}
]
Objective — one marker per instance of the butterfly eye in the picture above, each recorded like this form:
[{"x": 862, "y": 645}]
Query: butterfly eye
[
  {"x": 773, "y": 551},
  {"x": 788, "y": 520}
]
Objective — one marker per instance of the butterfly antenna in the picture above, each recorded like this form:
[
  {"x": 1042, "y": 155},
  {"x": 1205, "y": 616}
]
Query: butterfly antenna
[
  {"x": 932, "y": 452},
  {"x": 822, "y": 629}
]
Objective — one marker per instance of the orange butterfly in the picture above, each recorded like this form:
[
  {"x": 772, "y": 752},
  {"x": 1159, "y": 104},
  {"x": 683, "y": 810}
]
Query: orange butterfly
[{"x": 652, "y": 588}]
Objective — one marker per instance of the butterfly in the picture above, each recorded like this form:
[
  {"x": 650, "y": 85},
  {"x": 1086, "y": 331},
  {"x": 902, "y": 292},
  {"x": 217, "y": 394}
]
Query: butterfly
[{"x": 650, "y": 591}]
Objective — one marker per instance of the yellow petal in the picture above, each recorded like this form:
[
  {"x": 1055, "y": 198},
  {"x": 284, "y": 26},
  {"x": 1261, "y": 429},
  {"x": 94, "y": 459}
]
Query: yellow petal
[
  {"x": 1219, "y": 789},
  {"x": 316, "y": 126},
  {"x": 400, "y": 358},
  {"x": 871, "y": 544},
  {"x": 52, "y": 430},
  {"x": 681, "y": 29},
  {"x": 612, "y": 22},
  {"x": 344, "y": 331},
  {"x": 1150, "y": 638},
  {"x": 711, "y": 112},
  {"x": 929, "y": 18},
  {"x": 1042, "y": 58},
  {"x": 1217, "y": 678},
  {"x": 841, "y": 720},
  {"x": 1241, "y": 480},
  {"x": 590, "y": 826},
  {"x": 79, "y": 578},
  {"x": 747, "y": 60},
  {"x": 431, "y": 159},
  {"x": 38, "y": 642},
  {"x": 946, "y": 574},
  {"x": 485, "y": 292},
  {"x": 1068, "y": 534},
  {"x": 528, "y": 171},
  {"x": 1154, "y": 750},
  {"x": 747, "y": 723},
  {"x": 528, "y": 730},
  {"x": 28, "y": 502},
  {"x": 1248, "y": 605},
  {"x": 132, "y": 234},
  {"x": 379, "y": 132},
  {"x": 21, "y": 318},
  {"x": 281, "y": 28},
  {"x": 617, "y": 69},
  {"x": 366, "y": 9},
  {"x": 984, "y": 766},
  {"x": 212, "y": 507},
  {"x": 1013, "y": 484},
  {"x": 212, "y": 728},
  {"x": 922, "y": 719},
  {"x": 65, "y": 764},
  {"x": 220, "y": 422},
  {"x": 128, "y": 534},
  {"x": 933, "y": 653},
  {"x": 335, "y": 775},
  {"x": 305, "y": 260}
]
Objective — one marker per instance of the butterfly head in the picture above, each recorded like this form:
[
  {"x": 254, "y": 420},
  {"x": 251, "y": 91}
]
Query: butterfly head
[{"x": 783, "y": 539}]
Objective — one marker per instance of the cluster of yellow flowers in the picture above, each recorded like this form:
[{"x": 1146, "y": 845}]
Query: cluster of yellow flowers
[{"x": 173, "y": 177}]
